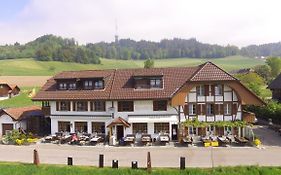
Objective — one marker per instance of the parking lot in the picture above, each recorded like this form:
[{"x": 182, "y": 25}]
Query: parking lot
[{"x": 162, "y": 156}]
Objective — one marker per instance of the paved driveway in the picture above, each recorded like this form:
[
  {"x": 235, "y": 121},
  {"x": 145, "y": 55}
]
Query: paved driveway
[
  {"x": 161, "y": 156},
  {"x": 267, "y": 136}
]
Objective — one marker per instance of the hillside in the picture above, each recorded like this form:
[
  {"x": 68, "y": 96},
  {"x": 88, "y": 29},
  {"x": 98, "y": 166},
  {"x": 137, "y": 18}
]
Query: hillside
[{"x": 28, "y": 66}]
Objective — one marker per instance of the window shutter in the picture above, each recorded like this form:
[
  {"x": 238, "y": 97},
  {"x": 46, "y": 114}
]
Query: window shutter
[
  {"x": 213, "y": 90},
  {"x": 120, "y": 106},
  {"x": 197, "y": 90},
  {"x": 199, "y": 111},
  {"x": 92, "y": 105},
  {"x": 206, "y": 90},
  {"x": 68, "y": 105},
  {"x": 74, "y": 106},
  {"x": 57, "y": 105},
  {"x": 234, "y": 108},
  {"x": 186, "y": 109},
  {"x": 221, "y": 109},
  {"x": 217, "y": 112},
  {"x": 204, "y": 109}
]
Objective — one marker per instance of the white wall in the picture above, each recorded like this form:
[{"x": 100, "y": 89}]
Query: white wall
[{"x": 5, "y": 119}]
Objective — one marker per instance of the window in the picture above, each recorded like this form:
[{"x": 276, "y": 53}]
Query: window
[
  {"x": 192, "y": 130},
  {"x": 88, "y": 84},
  {"x": 210, "y": 109},
  {"x": 125, "y": 106},
  {"x": 72, "y": 85},
  {"x": 139, "y": 128},
  {"x": 63, "y": 86},
  {"x": 45, "y": 104},
  {"x": 63, "y": 106},
  {"x": 192, "y": 109},
  {"x": 227, "y": 109},
  {"x": 99, "y": 84},
  {"x": 218, "y": 90},
  {"x": 63, "y": 126},
  {"x": 160, "y": 105},
  {"x": 161, "y": 128},
  {"x": 81, "y": 106},
  {"x": 200, "y": 90},
  {"x": 98, "y": 106},
  {"x": 98, "y": 127},
  {"x": 81, "y": 127},
  {"x": 155, "y": 83},
  {"x": 227, "y": 130}
]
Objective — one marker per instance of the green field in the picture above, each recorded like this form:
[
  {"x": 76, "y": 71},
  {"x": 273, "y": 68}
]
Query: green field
[
  {"x": 21, "y": 100},
  {"x": 29, "y": 169},
  {"x": 40, "y": 68}
]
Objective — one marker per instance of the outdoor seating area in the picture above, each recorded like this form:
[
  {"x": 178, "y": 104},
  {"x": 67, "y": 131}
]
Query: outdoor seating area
[
  {"x": 215, "y": 141},
  {"x": 75, "y": 138}
]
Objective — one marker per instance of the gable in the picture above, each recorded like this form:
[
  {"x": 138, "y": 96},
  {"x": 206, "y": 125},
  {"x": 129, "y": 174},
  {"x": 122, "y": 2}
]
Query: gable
[
  {"x": 211, "y": 72},
  {"x": 276, "y": 83}
]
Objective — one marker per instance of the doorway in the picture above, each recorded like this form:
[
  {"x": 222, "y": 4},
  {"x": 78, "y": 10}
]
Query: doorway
[
  {"x": 174, "y": 132},
  {"x": 7, "y": 128},
  {"x": 120, "y": 131}
]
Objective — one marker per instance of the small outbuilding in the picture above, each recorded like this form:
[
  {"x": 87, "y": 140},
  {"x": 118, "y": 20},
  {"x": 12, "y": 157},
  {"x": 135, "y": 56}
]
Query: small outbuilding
[
  {"x": 27, "y": 119},
  {"x": 275, "y": 87},
  {"x": 8, "y": 90}
]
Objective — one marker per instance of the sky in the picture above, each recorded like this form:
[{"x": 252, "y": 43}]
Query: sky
[{"x": 234, "y": 22}]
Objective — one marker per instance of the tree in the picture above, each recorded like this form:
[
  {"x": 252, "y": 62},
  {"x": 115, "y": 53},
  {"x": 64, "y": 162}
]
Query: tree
[
  {"x": 253, "y": 81},
  {"x": 264, "y": 71},
  {"x": 275, "y": 64},
  {"x": 149, "y": 63}
]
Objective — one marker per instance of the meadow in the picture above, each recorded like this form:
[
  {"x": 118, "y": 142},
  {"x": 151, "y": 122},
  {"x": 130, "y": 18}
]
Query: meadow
[
  {"x": 30, "y": 67},
  {"x": 29, "y": 169},
  {"x": 20, "y": 100}
]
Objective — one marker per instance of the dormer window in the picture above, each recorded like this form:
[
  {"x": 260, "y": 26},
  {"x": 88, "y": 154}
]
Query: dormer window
[
  {"x": 63, "y": 86},
  {"x": 72, "y": 86},
  {"x": 99, "y": 84},
  {"x": 155, "y": 83},
  {"x": 88, "y": 84}
]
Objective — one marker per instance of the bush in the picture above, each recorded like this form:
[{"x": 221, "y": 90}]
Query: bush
[
  {"x": 271, "y": 110},
  {"x": 18, "y": 138}
]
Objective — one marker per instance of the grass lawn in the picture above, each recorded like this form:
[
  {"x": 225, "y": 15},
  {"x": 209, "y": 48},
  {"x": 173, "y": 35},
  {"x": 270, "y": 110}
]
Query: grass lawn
[
  {"x": 29, "y": 66},
  {"x": 29, "y": 169},
  {"x": 20, "y": 100}
]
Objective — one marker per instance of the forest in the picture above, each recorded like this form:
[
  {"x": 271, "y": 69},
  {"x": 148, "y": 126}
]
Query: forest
[{"x": 55, "y": 48}]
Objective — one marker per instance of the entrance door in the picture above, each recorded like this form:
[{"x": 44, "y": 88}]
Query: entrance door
[
  {"x": 6, "y": 127},
  {"x": 174, "y": 132},
  {"x": 120, "y": 131}
]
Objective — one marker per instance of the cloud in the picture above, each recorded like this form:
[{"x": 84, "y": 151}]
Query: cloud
[{"x": 223, "y": 22}]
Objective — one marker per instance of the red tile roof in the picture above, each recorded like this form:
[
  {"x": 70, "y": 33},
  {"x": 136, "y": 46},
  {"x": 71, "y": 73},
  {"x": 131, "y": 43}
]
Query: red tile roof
[
  {"x": 119, "y": 83},
  {"x": 119, "y": 121},
  {"x": 211, "y": 72},
  {"x": 21, "y": 112}
]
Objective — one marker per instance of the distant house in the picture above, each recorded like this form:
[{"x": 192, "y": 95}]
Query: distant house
[
  {"x": 275, "y": 87},
  {"x": 8, "y": 90},
  {"x": 28, "y": 119},
  {"x": 242, "y": 71}
]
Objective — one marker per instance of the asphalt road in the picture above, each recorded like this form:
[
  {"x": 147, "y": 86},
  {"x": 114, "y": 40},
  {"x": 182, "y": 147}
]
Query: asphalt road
[{"x": 160, "y": 156}]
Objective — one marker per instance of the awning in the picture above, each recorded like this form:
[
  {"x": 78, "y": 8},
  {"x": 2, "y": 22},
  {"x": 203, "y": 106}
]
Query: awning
[
  {"x": 152, "y": 118},
  {"x": 119, "y": 121}
]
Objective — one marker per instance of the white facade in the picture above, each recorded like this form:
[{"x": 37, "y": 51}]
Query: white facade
[
  {"x": 143, "y": 113},
  {"x": 6, "y": 119}
]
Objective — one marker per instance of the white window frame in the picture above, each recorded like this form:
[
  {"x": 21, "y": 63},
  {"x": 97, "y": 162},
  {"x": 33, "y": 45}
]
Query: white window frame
[
  {"x": 227, "y": 109},
  {"x": 191, "y": 109},
  {"x": 218, "y": 90}
]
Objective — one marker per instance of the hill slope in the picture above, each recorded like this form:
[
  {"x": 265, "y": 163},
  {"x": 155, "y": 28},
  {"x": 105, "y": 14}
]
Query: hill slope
[{"x": 28, "y": 66}]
